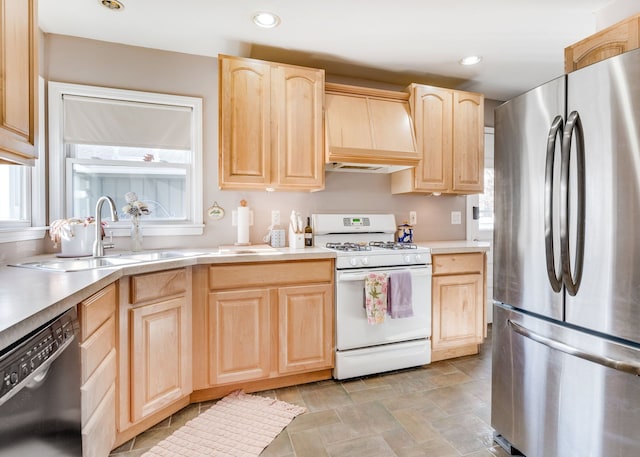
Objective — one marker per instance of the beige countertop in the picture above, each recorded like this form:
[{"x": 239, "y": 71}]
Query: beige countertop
[
  {"x": 450, "y": 247},
  {"x": 29, "y": 298}
]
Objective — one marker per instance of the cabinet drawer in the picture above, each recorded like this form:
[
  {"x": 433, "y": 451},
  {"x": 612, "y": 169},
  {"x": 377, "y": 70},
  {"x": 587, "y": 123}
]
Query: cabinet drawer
[
  {"x": 153, "y": 286},
  {"x": 96, "y": 387},
  {"x": 269, "y": 274},
  {"x": 95, "y": 310},
  {"x": 99, "y": 435},
  {"x": 95, "y": 349},
  {"x": 444, "y": 264}
]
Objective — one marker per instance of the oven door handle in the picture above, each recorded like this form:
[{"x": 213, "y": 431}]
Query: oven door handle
[{"x": 352, "y": 277}]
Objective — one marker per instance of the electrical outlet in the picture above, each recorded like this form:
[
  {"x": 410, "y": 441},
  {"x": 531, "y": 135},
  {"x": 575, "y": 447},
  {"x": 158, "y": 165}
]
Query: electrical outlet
[
  {"x": 275, "y": 217},
  {"x": 456, "y": 217},
  {"x": 413, "y": 218}
]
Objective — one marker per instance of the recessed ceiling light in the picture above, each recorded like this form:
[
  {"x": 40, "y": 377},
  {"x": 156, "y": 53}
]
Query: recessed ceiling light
[
  {"x": 113, "y": 4},
  {"x": 470, "y": 60},
  {"x": 266, "y": 20}
]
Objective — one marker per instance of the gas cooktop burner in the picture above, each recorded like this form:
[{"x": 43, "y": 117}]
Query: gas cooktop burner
[
  {"x": 350, "y": 247},
  {"x": 353, "y": 247},
  {"x": 392, "y": 245}
]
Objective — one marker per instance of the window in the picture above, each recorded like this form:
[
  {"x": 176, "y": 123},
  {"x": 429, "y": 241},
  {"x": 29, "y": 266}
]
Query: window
[
  {"x": 111, "y": 142},
  {"x": 15, "y": 185},
  {"x": 22, "y": 207}
]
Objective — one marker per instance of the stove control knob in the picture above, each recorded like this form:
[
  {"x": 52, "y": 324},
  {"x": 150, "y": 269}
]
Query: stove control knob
[
  {"x": 353, "y": 261},
  {"x": 418, "y": 257},
  {"x": 407, "y": 258},
  {"x": 365, "y": 261}
]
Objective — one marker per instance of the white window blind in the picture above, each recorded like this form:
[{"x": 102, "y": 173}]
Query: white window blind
[{"x": 102, "y": 121}]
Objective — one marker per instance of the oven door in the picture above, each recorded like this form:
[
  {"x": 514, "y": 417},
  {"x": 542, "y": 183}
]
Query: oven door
[{"x": 352, "y": 329}]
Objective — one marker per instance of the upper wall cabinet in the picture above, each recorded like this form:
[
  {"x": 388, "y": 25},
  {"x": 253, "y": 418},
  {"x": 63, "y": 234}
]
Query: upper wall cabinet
[
  {"x": 612, "y": 41},
  {"x": 271, "y": 128},
  {"x": 449, "y": 126},
  {"x": 369, "y": 126},
  {"x": 18, "y": 81}
]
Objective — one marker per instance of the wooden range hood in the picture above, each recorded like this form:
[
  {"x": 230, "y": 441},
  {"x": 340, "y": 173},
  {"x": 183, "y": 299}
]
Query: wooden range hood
[{"x": 368, "y": 129}]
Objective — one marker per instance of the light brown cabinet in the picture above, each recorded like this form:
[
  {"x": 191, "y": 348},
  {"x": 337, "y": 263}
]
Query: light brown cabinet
[
  {"x": 458, "y": 304},
  {"x": 449, "y": 127},
  {"x": 271, "y": 127},
  {"x": 240, "y": 335},
  {"x": 19, "y": 81},
  {"x": 98, "y": 372},
  {"x": 369, "y": 126},
  {"x": 154, "y": 346},
  {"x": 612, "y": 41},
  {"x": 305, "y": 328},
  {"x": 261, "y": 325}
]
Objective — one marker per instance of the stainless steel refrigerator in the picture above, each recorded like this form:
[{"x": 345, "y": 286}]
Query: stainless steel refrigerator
[{"x": 566, "y": 328}]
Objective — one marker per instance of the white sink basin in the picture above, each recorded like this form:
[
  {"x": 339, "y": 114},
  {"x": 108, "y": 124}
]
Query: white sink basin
[
  {"x": 90, "y": 263},
  {"x": 158, "y": 255}
]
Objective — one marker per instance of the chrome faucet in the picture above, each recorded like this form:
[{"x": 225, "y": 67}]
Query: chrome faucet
[{"x": 98, "y": 245}]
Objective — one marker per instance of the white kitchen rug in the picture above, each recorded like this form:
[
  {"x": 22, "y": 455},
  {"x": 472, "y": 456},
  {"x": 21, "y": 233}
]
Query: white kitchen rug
[{"x": 239, "y": 425}]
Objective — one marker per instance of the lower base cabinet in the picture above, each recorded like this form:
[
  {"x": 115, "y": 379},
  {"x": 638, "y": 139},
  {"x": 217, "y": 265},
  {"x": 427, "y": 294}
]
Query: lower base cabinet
[
  {"x": 98, "y": 371},
  {"x": 458, "y": 304},
  {"x": 154, "y": 348},
  {"x": 262, "y": 322}
]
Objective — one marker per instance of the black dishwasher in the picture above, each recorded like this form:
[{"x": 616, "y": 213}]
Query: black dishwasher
[{"x": 40, "y": 392}]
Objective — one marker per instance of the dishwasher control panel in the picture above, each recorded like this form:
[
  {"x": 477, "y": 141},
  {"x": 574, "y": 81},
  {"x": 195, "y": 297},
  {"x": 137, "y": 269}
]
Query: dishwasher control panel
[{"x": 21, "y": 361}]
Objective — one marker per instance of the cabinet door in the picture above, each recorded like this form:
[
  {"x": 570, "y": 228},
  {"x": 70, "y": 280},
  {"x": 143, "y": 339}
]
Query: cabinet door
[
  {"x": 305, "y": 328},
  {"x": 239, "y": 337},
  {"x": 468, "y": 142},
  {"x": 245, "y": 131},
  {"x": 18, "y": 91},
  {"x": 612, "y": 41},
  {"x": 432, "y": 114},
  {"x": 458, "y": 311},
  {"x": 296, "y": 107},
  {"x": 160, "y": 355}
]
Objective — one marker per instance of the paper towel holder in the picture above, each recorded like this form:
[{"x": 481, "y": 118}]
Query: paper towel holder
[{"x": 243, "y": 227}]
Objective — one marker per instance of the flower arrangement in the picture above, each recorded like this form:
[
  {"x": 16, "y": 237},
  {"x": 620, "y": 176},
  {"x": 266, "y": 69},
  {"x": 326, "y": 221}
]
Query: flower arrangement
[
  {"x": 134, "y": 207},
  {"x": 63, "y": 228}
]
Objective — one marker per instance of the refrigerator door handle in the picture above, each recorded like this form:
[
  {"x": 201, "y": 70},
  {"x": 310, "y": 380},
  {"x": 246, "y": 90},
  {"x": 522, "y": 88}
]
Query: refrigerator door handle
[
  {"x": 572, "y": 278},
  {"x": 555, "y": 277},
  {"x": 620, "y": 365}
]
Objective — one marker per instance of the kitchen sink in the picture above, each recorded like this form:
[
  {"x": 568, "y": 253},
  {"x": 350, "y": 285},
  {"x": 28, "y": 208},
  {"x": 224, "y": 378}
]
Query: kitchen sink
[
  {"x": 158, "y": 255},
  {"x": 80, "y": 264},
  {"x": 90, "y": 263}
]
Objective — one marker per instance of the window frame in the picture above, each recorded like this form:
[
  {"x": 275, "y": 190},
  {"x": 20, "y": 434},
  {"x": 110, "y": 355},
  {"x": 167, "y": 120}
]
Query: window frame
[
  {"x": 35, "y": 228},
  {"x": 58, "y": 201}
]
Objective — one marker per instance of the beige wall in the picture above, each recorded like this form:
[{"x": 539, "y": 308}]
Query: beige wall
[{"x": 82, "y": 61}]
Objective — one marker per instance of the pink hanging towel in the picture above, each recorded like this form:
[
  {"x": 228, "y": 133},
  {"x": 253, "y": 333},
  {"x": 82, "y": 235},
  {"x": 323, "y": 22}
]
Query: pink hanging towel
[
  {"x": 400, "y": 294},
  {"x": 375, "y": 297}
]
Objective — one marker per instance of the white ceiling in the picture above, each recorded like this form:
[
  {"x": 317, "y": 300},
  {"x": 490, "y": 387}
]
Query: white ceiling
[{"x": 397, "y": 41}]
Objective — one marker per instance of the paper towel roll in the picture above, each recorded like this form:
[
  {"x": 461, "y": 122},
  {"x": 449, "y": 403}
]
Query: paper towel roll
[{"x": 243, "y": 225}]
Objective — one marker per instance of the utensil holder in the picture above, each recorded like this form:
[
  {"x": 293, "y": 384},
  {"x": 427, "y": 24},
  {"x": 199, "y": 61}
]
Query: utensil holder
[{"x": 296, "y": 240}]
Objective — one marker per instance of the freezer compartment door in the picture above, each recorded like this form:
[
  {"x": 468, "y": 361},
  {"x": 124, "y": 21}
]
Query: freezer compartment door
[
  {"x": 555, "y": 391},
  {"x": 528, "y": 137}
]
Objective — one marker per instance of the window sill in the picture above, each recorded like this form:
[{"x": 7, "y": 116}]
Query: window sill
[
  {"x": 157, "y": 230},
  {"x": 10, "y": 235}
]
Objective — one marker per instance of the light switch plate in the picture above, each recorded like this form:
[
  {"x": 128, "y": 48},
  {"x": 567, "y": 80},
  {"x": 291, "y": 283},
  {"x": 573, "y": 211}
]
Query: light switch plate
[
  {"x": 413, "y": 218},
  {"x": 456, "y": 217},
  {"x": 275, "y": 217}
]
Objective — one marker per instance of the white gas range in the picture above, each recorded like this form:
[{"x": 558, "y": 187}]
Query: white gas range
[{"x": 365, "y": 244}]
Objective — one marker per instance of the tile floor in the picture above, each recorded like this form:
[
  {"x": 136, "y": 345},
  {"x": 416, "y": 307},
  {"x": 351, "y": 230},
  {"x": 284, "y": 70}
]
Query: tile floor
[{"x": 441, "y": 410}]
